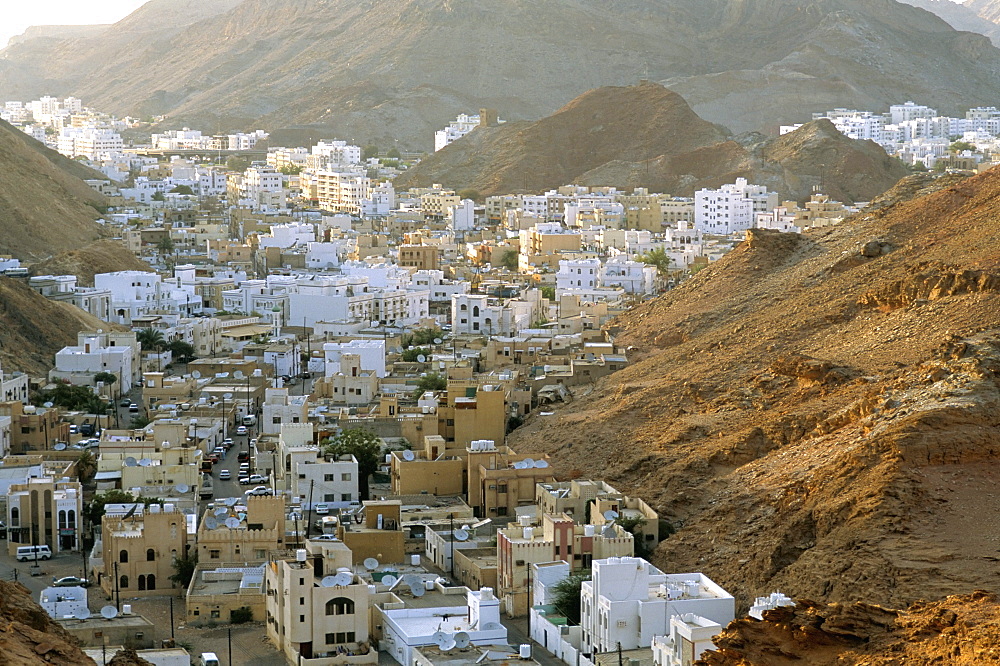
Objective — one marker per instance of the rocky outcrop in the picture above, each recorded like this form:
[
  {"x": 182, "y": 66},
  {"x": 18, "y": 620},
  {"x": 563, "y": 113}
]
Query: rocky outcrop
[{"x": 29, "y": 636}]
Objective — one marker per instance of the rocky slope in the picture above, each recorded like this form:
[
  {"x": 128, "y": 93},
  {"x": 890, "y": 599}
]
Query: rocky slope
[
  {"x": 35, "y": 328},
  {"x": 958, "y": 630},
  {"x": 103, "y": 256},
  {"x": 29, "y": 636},
  {"x": 987, "y": 9},
  {"x": 818, "y": 413},
  {"x": 379, "y": 70},
  {"x": 647, "y": 136},
  {"x": 960, "y": 17},
  {"x": 45, "y": 207}
]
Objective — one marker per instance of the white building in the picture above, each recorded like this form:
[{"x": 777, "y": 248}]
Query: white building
[
  {"x": 479, "y": 314},
  {"x": 578, "y": 274},
  {"x": 690, "y": 635},
  {"x": 628, "y": 601},
  {"x": 288, "y": 235},
  {"x": 337, "y": 152},
  {"x": 64, "y": 602},
  {"x": 731, "y": 209},
  {"x": 96, "y": 353},
  {"x": 634, "y": 277},
  {"x": 280, "y": 408},
  {"x": 372, "y": 353},
  {"x": 455, "y": 130},
  {"x": 408, "y": 628},
  {"x": 343, "y": 191},
  {"x": 14, "y": 387}
]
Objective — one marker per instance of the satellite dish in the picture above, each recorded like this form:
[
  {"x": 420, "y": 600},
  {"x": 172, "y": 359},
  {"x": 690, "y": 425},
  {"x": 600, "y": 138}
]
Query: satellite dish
[
  {"x": 374, "y": 323},
  {"x": 131, "y": 462},
  {"x": 232, "y": 523},
  {"x": 609, "y": 532},
  {"x": 183, "y": 488},
  {"x": 231, "y": 501},
  {"x": 528, "y": 463},
  {"x": 408, "y": 455},
  {"x": 60, "y": 446},
  {"x": 371, "y": 563},
  {"x": 239, "y": 375},
  {"x": 199, "y": 453},
  {"x": 221, "y": 511},
  {"x": 449, "y": 645},
  {"x": 541, "y": 464},
  {"x": 462, "y": 640},
  {"x": 145, "y": 462},
  {"x": 462, "y": 535},
  {"x": 109, "y": 612},
  {"x": 412, "y": 580},
  {"x": 82, "y": 614},
  {"x": 491, "y": 626},
  {"x": 610, "y": 514},
  {"x": 439, "y": 638},
  {"x": 437, "y": 341},
  {"x": 389, "y": 580},
  {"x": 227, "y": 396},
  {"x": 48, "y": 405},
  {"x": 211, "y": 523},
  {"x": 328, "y": 581},
  {"x": 417, "y": 590},
  {"x": 196, "y": 374},
  {"x": 520, "y": 465},
  {"x": 343, "y": 579}
]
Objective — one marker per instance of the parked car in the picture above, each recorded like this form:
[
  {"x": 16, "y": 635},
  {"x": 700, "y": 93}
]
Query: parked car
[
  {"x": 228, "y": 442},
  {"x": 224, "y": 475},
  {"x": 74, "y": 429},
  {"x": 259, "y": 490},
  {"x": 323, "y": 537},
  {"x": 244, "y": 479},
  {"x": 321, "y": 509},
  {"x": 133, "y": 408},
  {"x": 258, "y": 478},
  {"x": 125, "y": 402},
  {"x": 70, "y": 581},
  {"x": 241, "y": 430}
]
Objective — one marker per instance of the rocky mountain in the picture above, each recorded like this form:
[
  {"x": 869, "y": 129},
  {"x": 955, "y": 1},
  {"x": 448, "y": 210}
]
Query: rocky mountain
[
  {"x": 45, "y": 207},
  {"x": 959, "y": 630},
  {"x": 960, "y": 17},
  {"x": 818, "y": 413},
  {"x": 382, "y": 70},
  {"x": 103, "y": 256},
  {"x": 42, "y": 32},
  {"x": 987, "y": 9},
  {"x": 30, "y": 636},
  {"x": 647, "y": 136}
]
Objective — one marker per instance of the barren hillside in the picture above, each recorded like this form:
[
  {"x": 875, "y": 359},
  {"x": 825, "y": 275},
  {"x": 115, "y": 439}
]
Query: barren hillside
[
  {"x": 29, "y": 636},
  {"x": 817, "y": 414},
  {"x": 958, "y": 630},
  {"x": 45, "y": 207},
  {"x": 103, "y": 256}
]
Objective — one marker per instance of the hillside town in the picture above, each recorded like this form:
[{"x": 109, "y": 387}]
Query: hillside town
[{"x": 297, "y": 416}]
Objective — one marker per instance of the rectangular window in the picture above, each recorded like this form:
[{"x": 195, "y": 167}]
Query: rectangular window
[
  {"x": 330, "y": 497},
  {"x": 345, "y": 497},
  {"x": 328, "y": 477},
  {"x": 345, "y": 477},
  {"x": 213, "y": 554}
]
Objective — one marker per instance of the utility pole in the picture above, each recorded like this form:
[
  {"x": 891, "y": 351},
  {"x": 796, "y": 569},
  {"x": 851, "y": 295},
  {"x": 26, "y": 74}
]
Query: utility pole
[
  {"x": 309, "y": 521},
  {"x": 171, "y": 618},
  {"x": 118, "y": 598},
  {"x": 230, "y": 628},
  {"x": 620, "y": 662}
]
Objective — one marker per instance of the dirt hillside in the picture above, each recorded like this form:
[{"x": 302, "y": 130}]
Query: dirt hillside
[
  {"x": 29, "y": 636},
  {"x": 633, "y": 124},
  {"x": 103, "y": 256},
  {"x": 35, "y": 328},
  {"x": 817, "y": 414},
  {"x": 958, "y": 630},
  {"x": 45, "y": 207}
]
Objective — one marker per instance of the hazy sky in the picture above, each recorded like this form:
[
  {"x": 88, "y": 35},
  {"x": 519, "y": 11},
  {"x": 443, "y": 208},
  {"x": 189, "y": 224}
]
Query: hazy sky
[{"x": 16, "y": 15}]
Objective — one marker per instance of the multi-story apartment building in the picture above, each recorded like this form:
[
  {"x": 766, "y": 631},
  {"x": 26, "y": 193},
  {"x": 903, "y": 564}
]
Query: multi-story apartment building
[
  {"x": 731, "y": 208},
  {"x": 138, "y": 549},
  {"x": 45, "y": 511}
]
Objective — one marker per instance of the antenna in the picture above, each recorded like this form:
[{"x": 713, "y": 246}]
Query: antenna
[
  {"x": 109, "y": 612},
  {"x": 462, "y": 640},
  {"x": 491, "y": 626},
  {"x": 449, "y": 645},
  {"x": 131, "y": 462},
  {"x": 328, "y": 581},
  {"x": 371, "y": 563},
  {"x": 211, "y": 523},
  {"x": 610, "y": 514},
  {"x": 461, "y": 534},
  {"x": 231, "y": 501},
  {"x": 439, "y": 638},
  {"x": 408, "y": 455},
  {"x": 343, "y": 579},
  {"x": 232, "y": 523},
  {"x": 60, "y": 446},
  {"x": 198, "y": 453}
]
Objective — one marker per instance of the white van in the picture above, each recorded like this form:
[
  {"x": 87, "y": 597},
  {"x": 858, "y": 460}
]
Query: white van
[
  {"x": 208, "y": 659},
  {"x": 25, "y": 553}
]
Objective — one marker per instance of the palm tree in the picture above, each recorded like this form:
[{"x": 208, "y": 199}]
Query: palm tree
[{"x": 151, "y": 339}]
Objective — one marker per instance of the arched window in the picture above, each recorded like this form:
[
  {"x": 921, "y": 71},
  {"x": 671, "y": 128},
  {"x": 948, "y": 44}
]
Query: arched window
[
  {"x": 142, "y": 583},
  {"x": 15, "y": 516},
  {"x": 150, "y": 582},
  {"x": 463, "y": 307},
  {"x": 150, "y": 555},
  {"x": 123, "y": 582},
  {"x": 340, "y": 606},
  {"x": 123, "y": 556},
  {"x": 62, "y": 518},
  {"x": 475, "y": 311},
  {"x": 72, "y": 518}
]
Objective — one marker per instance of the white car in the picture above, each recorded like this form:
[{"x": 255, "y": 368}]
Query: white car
[
  {"x": 258, "y": 478},
  {"x": 321, "y": 509},
  {"x": 242, "y": 430},
  {"x": 259, "y": 490},
  {"x": 224, "y": 475},
  {"x": 324, "y": 537}
]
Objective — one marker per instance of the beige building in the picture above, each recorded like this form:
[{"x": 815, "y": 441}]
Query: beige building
[
  {"x": 558, "y": 538},
  {"x": 44, "y": 511},
  {"x": 437, "y": 202},
  {"x": 378, "y": 535},
  {"x": 420, "y": 257},
  {"x": 249, "y": 538},
  {"x": 313, "y": 619},
  {"x": 138, "y": 551},
  {"x": 216, "y": 591}
]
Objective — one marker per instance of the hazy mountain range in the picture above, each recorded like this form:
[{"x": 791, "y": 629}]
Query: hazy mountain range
[{"x": 379, "y": 70}]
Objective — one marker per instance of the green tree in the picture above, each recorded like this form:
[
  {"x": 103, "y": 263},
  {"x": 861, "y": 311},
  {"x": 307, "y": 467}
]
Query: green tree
[
  {"x": 549, "y": 293},
  {"x": 234, "y": 163},
  {"x": 658, "y": 258},
  {"x": 365, "y": 446},
  {"x": 369, "y": 152},
  {"x": 422, "y": 336},
  {"x": 566, "y": 597},
  {"x": 509, "y": 260},
  {"x": 393, "y": 154},
  {"x": 181, "y": 351},
  {"x": 86, "y": 467},
  {"x": 959, "y": 146},
  {"x": 432, "y": 381},
  {"x": 291, "y": 169},
  {"x": 151, "y": 339},
  {"x": 165, "y": 245},
  {"x": 158, "y": 196},
  {"x": 95, "y": 509},
  {"x": 74, "y": 398},
  {"x": 633, "y": 525},
  {"x": 182, "y": 189},
  {"x": 470, "y": 193},
  {"x": 105, "y": 378},
  {"x": 241, "y": 615},
  {"x": 184, "y": 568},
  {"x": 410, "y": 355}
]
